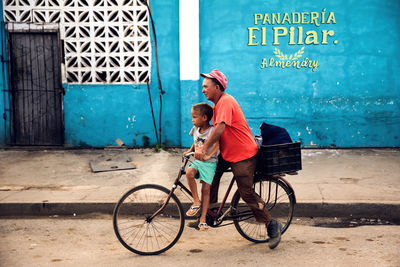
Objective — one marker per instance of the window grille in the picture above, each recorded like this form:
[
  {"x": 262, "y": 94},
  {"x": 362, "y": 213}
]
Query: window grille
[{"x": 105, "y": 41}]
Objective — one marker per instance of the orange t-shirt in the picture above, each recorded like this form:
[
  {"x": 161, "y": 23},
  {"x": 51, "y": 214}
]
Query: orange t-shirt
[{"x": 237, "y": 142}]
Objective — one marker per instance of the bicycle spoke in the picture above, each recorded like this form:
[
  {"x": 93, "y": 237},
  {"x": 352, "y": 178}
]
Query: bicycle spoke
[
  {"x": 131, "y": 226},
  {"x": 162, "y": 233},
  {"x": 129, "y": 233},
  {"x": 154, "y": 231},
  {"x": 277, "y": 198},
  {"x": 141, "y": 238},
  {"x": 148, "y": 237}
]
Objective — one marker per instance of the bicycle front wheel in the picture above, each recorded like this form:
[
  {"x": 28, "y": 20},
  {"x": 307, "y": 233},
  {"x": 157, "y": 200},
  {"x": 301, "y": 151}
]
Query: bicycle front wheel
[
  {"x": 135, "y": 228},
  {"x": 277, "y": 197}
]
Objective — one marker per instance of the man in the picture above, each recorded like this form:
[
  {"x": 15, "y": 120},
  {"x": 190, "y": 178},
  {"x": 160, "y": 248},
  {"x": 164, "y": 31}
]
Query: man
[{"x": 238, "y": 150}]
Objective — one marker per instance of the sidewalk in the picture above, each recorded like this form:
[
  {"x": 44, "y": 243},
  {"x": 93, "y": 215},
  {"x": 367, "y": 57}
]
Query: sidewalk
[{"x": 333, "y": 182}]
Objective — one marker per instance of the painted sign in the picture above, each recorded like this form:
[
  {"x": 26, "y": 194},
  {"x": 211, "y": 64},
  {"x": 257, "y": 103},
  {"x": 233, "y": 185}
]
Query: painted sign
[{"x": 276, "y": 28}]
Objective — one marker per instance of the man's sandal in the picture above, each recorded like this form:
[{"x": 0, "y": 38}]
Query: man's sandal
[
  {"x": 203, "y": 226},
  {"x": 193, "y": 211}
]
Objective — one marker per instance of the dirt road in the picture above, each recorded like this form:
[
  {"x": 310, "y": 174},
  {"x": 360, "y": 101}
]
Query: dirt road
[{"x": 91, "y": 242}]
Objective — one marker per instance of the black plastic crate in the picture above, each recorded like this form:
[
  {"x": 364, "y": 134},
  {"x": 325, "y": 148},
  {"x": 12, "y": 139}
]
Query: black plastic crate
[{"x": 276, "y": 159}]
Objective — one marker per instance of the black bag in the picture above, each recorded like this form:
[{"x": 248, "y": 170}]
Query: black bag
[{"x": 272, "y": 135}]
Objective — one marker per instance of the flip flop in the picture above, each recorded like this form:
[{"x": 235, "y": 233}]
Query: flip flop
[
  {"x": 203, "y": 226},
  {"x": 193, "y": 211}
]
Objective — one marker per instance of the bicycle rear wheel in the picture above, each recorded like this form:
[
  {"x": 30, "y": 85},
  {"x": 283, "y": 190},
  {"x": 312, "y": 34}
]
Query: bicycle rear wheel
[
  {"x": 133, "y": 226},
  {"x": 279, "y": 199}
]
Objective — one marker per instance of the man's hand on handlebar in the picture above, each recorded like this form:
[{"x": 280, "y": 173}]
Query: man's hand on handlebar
[{"x": 187, "y": 154}]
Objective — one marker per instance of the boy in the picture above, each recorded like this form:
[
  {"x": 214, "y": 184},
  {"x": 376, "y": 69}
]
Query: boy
[{"x": 205, "y": 170}]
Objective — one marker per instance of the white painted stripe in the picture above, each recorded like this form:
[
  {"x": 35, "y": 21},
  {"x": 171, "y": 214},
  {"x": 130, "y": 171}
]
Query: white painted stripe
[{"x": 189, "y": 39}]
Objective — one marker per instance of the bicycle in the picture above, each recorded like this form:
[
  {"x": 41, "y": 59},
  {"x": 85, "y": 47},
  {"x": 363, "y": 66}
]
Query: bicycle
[{"x": 149, "y": 219}]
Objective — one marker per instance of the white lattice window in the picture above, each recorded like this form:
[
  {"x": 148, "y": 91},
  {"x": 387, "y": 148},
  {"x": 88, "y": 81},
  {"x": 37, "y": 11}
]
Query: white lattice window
[{"x": 105, "y": 41}]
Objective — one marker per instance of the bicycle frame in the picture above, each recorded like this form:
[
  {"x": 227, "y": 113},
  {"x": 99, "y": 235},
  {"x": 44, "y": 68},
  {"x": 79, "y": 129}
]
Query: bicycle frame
[{"x": 218, "y": 216}]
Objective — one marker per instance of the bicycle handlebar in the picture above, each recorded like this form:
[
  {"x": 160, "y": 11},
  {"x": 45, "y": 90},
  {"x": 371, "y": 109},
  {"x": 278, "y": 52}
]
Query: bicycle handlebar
[{"x": 187, "y": 156}]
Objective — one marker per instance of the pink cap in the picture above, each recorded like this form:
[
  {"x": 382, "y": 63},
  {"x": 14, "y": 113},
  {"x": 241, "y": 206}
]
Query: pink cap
[{"x": 217, "y": 75}]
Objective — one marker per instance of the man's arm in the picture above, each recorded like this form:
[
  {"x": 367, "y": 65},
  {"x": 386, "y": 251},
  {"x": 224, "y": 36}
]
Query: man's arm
[
  {"x": 214, "y": 137},
  {"x": 214, "y": 150}
]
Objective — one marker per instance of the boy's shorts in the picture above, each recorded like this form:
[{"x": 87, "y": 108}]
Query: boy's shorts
[{"x": 205, "y": 170}]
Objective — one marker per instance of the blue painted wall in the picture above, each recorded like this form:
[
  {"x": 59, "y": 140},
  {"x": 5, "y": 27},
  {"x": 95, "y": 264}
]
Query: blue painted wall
[
  {"x": 96, "y": 115},
  {"x": 350, "y": 100},
  {"x": 190, "y": 94},
  {"x": 4, "y": 103},
  {"x": 99, "y": 114}
]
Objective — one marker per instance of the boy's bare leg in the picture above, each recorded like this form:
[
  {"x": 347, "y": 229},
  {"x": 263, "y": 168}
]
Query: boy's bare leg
[
  {"x": 190, "y": 174},
  {"x": 205, "y": 200}
]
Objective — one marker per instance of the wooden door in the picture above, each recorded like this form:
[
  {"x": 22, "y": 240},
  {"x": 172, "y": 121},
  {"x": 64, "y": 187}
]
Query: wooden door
[{"x": 36, "y": 89}]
